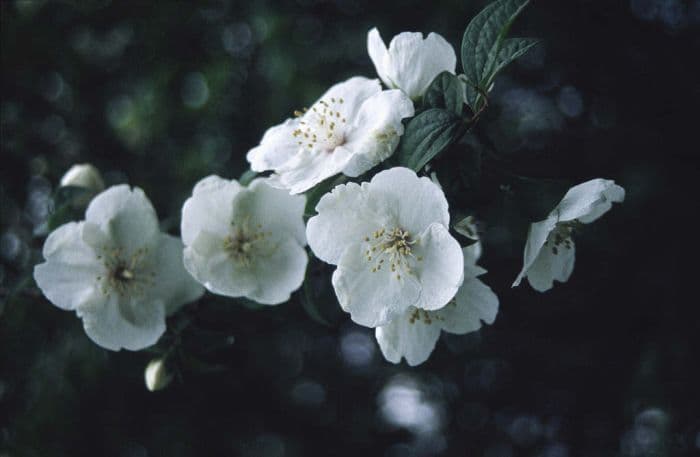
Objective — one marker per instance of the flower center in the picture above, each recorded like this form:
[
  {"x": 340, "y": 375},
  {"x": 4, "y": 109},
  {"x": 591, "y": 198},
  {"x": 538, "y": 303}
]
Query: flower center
[
  {"x": 321, "y": 127},
  {"x": 561, "y": 235},
  {"x": 243, "y": 243},
  {"x": 393, "y": 248},
  {"x": 127, "y": 276}
]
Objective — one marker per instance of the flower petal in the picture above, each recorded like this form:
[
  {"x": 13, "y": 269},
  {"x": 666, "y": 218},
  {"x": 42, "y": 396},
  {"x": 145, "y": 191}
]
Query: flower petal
[
  {"x": 353, "y": 91},
  {"x": 549, "y": 266},
  {"x": 415, "y": 202},
  {"x": 588, "y": 201},
  {"x": 124, "y": 215},
  {"x": 209, "y": 208},
  {"x": 207, "y": 261},
  {"x": 379, "y": 54},
  {"x": 345, "y": 217},
  {"x": 536, "y": 237},
  {"x": 277, "y": 146},
  {"x": 412, "y": 335},
  {"x": 172, "y": 283},
  {"x": 124, "y": 323},
  {"x": 308, "y": 168},
  {"x": 274, "y": 209},
  {"x": 414, "y": 62},
  {"x": 439, "y": 266},
  {"x": 68, "y": 278},
  {"x": 371, "y": 298},
  {"x": 475, "y": 302},
  {"x": 280, "y": 274},
  {"x": 376, "y": 130}
]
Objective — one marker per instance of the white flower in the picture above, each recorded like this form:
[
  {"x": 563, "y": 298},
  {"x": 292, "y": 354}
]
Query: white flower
[
  {"x": 117, "y": 271},
  {"x": 549, "y": 251},
  {"x": 84, "y": 175},
  {"x": 390, "y": 241},
  {"x": 351, "y": 128},
  {"x": 413, "y": 334},
  {"x": 245, "y": 242},
  {"x": 411, "y": 62}
]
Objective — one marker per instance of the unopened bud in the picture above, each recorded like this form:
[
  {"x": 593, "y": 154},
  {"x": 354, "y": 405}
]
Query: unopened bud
[
  {"x": 84, "y": 175},
  {"x": 156, "y": 375}
]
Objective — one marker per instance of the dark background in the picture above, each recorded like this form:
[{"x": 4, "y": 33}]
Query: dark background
[{"x": 162, "y": 93}]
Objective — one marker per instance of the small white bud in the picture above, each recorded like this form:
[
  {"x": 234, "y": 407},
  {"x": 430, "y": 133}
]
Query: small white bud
[
  {"x": 84, "y": 175},
  {"x": 156, "y": 375}
]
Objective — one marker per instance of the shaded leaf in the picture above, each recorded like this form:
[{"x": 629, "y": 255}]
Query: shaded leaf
[
  {"x": 483, "y": 39},
  {"x": 447, "y": 92},
  {"x": 512, "y": 49},
  {"x": 427, "y": 135}
]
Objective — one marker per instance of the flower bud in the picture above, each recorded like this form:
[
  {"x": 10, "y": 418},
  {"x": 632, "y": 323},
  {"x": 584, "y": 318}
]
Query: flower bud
[
  {"x": 156, "y": 375},
  {"x": 84, "y": 175}
]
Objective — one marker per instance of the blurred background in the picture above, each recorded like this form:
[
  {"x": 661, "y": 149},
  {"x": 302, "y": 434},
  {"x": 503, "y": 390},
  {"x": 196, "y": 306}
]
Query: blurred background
[{"x": 161, "y": 93}]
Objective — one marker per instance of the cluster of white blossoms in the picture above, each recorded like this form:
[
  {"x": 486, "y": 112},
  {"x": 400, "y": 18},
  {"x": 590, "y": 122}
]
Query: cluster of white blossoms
[
  {"x": 398, "y": 268},
  {"x": 355, "y": 125}
]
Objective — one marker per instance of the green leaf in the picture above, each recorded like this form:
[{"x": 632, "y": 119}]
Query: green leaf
[
  {"x": 512, "y": 49},
  {"x": 483, "y": 39},
  {"x": 427, "y": 135},
  {"x": 314, "y": 194},
  {"x": 446, "y": 91}
]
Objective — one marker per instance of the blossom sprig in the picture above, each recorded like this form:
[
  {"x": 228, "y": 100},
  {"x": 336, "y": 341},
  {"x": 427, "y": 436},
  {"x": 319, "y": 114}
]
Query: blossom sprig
[{"x": 385, "y": 229}]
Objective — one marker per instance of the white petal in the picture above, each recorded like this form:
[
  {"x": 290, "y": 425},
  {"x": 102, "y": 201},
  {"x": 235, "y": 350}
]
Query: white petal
[
  {"x": 277, "y": 146},
  {"x": 274, "y": 209},
  {"x": 68, "y": 278},
  {"x": 589, "y": 200},
  {"x": 172, "y": 283},
  {"x": 475, "y": 302},
  {"x": 412, "y": 336},
  {"x": 376, "y": 130},
  {"x": 414, "y": 62},
  {"x": 122, "y": 323},
  {"x": 354, "y": 92},
  {"x": 126, "y": 216},
  {"x": 280, "y": 274},
  {"x": 308, "y": 168},
  {"x": 378, "y": 53},
  {"x": 345, "y": 217},
  {"x": 371, "y": 298},
  {"x": 536, "y": 237},
  {"x": 415, "y": 202},
  {"x": 207, "y": 261},
  {"x": 549, "y": 267},
  {"x": 439, "y": 266},
  {"x": 209, "y": 208}
]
